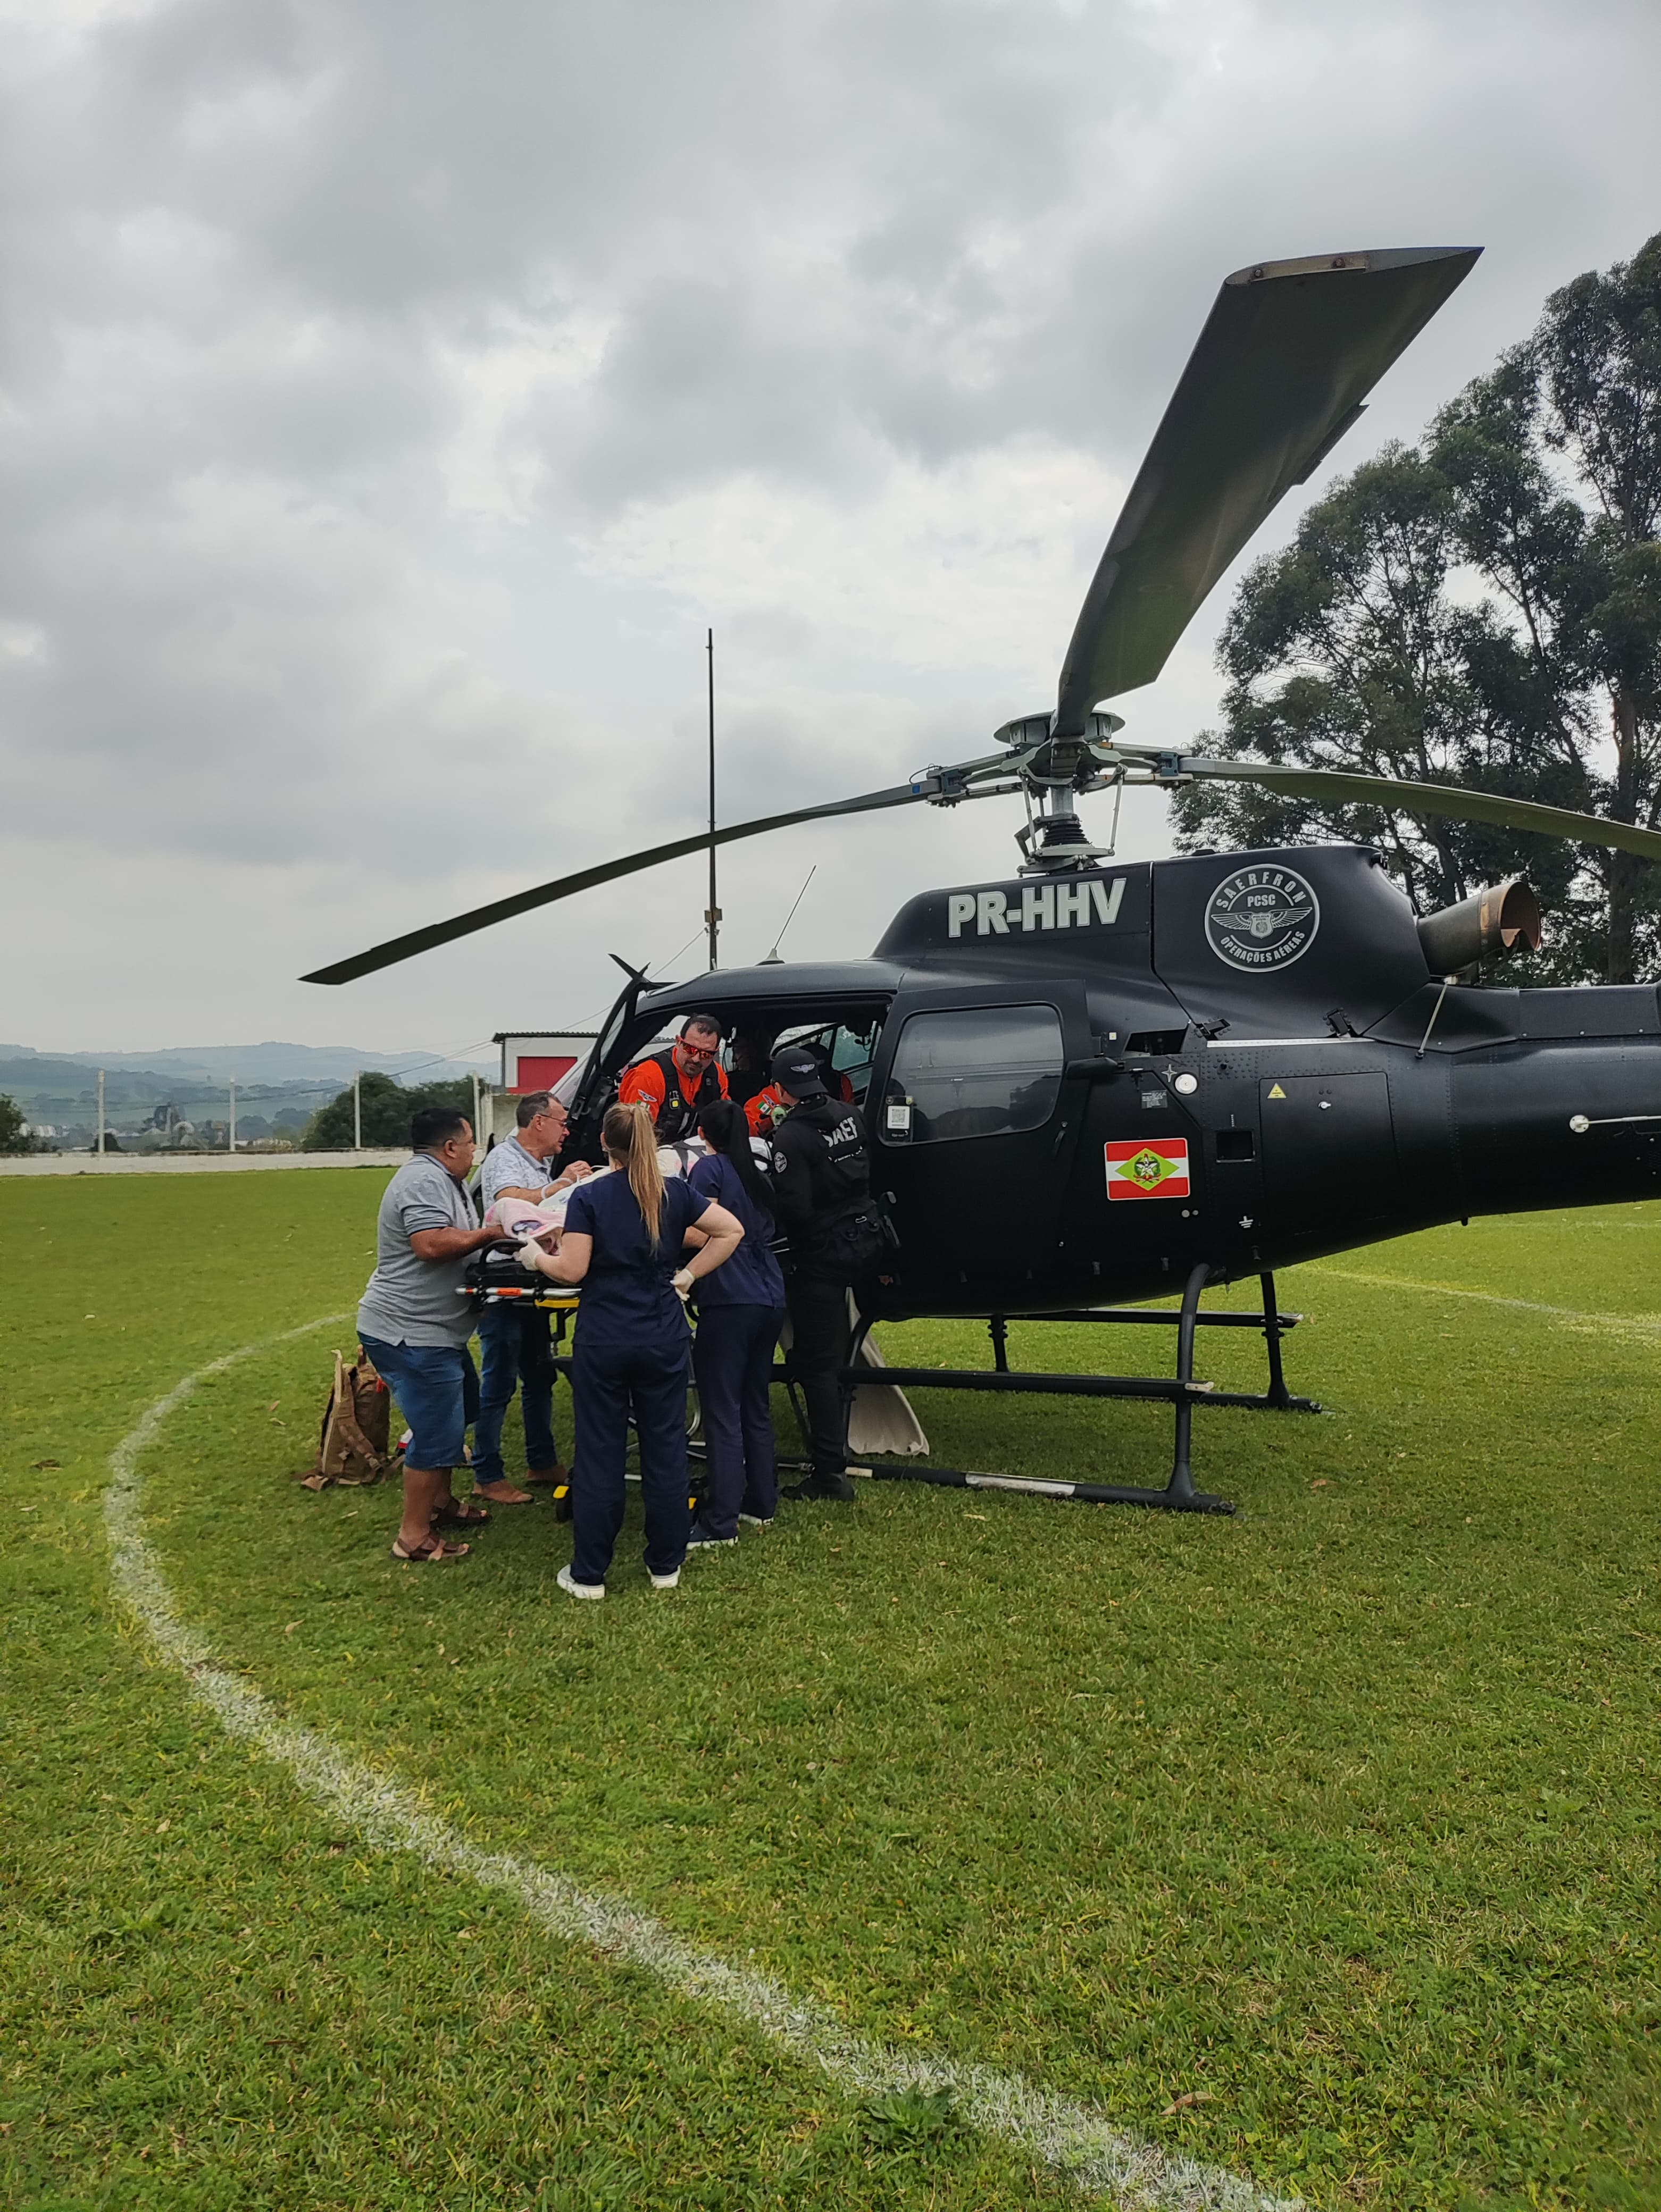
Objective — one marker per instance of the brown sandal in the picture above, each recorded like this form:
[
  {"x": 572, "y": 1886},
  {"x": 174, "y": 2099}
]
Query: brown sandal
[
  {"x": 456, "y": 1515},
  {"x": 431, "y": 1551}
]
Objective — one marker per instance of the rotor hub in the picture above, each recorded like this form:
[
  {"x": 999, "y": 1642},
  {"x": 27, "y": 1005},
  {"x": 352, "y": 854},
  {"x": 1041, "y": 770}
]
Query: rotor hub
[
  {"x": 1052, "y": 772},
  {"x": 1054, "y": 838}
]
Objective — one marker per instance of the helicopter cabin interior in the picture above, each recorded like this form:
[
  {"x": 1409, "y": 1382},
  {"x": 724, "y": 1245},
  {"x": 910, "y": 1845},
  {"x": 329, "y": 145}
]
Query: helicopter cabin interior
[{"x": 846, "y": 1027}]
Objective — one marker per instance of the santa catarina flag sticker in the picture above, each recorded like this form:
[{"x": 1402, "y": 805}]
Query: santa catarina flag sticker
[{"x": 1155, "y": 1167}]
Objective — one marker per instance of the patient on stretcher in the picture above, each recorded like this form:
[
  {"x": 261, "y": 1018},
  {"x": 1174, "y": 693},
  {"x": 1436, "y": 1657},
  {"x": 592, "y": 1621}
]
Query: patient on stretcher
[
  {"x": 542, "y": 1223},
  {"x": 523, "y": 1220}
]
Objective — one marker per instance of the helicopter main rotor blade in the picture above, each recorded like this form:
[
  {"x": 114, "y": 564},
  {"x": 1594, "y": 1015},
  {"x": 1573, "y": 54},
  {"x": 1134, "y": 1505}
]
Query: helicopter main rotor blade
[
  {"x": 1281, "y": 370},
  {"x": 482, "y": 917},
  {"x": 1328, "y": 785}
]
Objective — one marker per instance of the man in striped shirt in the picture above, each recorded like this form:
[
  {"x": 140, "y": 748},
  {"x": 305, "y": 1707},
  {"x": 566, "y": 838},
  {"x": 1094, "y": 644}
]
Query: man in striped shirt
[{"x": 515, "y": 1337}]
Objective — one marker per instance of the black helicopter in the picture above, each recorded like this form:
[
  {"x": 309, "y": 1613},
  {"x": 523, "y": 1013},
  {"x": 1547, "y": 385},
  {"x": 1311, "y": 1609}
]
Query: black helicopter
[{"x": 1094, "y": 1082}]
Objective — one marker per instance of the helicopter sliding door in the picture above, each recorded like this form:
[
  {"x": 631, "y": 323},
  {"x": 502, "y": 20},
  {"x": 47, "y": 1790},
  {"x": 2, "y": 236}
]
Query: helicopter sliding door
[{"x": 973, "y": 1136}]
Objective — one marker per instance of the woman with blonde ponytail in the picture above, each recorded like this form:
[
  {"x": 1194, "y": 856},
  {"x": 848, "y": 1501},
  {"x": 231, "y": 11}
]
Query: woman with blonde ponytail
[
  {"x": 631, "y": 1132},
  {"x": 624, "y": 1234}
]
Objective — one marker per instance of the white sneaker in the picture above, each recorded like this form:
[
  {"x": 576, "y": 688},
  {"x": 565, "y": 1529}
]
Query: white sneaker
[
  {"x": 572, "y": 1588},
  {"x": 755, "y": 1520},
  {"x": 666, "y": 1582}
]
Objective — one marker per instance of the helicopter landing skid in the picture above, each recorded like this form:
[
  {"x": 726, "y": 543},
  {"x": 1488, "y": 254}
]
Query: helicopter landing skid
[
  {"x": 1273, "y": 1324},
  {"x": 1181, "y": 1391}
]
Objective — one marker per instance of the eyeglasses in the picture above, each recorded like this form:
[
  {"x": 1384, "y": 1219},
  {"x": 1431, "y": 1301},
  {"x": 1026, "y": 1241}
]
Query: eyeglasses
[{"x": 699, "y": 1051}]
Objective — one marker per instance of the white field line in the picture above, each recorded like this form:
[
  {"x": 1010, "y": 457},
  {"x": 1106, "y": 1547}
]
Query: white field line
[
  {"x": 1075, "y": 2140},
  {"x": 1646, "y": 1326}
]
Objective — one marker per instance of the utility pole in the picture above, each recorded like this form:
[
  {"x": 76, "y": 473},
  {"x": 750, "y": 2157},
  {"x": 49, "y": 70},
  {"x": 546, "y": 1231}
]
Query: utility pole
[
  {"x": 712, "y": 918},
  {"x": 477, "y": 1139},
  {"x": 231, "y": 1143},
  {"x": 101, "y": 1111},
  {"x": 357, "y": 1113}
]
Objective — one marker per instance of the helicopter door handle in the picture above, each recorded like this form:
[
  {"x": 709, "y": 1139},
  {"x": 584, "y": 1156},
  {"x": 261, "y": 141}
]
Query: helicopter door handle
[{"x": 1059, "y": 1138}]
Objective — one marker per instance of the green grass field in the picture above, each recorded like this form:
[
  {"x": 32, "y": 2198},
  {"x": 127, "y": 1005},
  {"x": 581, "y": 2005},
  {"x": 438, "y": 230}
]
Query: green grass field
[{"x": 1334, "y": 1822}]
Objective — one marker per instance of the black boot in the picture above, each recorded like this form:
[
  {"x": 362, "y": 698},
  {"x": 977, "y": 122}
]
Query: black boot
[{"x": 825, "y": 1484}]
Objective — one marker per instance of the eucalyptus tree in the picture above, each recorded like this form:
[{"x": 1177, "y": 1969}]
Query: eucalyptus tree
[{"x": 1484, "y": 608}]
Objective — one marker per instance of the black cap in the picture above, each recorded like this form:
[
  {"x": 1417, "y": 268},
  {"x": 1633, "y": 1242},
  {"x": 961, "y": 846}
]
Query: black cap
[{"x": 797, "y": 1071}]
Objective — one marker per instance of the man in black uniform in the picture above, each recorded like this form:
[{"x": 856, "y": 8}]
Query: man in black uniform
[{"x": 822, "y": 1197}]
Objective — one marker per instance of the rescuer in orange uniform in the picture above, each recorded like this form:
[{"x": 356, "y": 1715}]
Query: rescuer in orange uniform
[
  {"x": 672, "y": 1086},
  {"x": 767, "y": 1108},
  {"x": 747, "y": 1066}
]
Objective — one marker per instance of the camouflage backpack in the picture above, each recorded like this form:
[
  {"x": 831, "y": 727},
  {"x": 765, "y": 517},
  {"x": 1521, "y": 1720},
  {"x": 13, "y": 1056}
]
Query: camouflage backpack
[{"x": 351, "y": 1446}]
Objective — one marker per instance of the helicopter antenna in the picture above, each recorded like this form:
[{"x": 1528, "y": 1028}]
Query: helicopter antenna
[
  {"x": 712, "y": 918},
  {"x": 772, "y": 959}
]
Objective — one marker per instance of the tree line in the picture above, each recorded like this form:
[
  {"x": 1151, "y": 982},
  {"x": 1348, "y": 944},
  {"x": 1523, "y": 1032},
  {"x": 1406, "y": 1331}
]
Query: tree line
[
  {"x": 386, "y": 1106},
  {"x": 13, "y": 1129},
  {"x": 1483, "y": 608}
]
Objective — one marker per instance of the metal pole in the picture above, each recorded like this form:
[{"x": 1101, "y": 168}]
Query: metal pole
[
  {"x": 231, "y": 1146},
  {"x": 712, "y": 917},
  {"x": 1277, "y": 1394},
  {"x": 476, "y": 1135},
  {"x": 1180, "y": 1489},
  {"x": 101, "y": 1110},
  {"x": 1448, "y": 981},
  {"x": 357, "y": 1113}
]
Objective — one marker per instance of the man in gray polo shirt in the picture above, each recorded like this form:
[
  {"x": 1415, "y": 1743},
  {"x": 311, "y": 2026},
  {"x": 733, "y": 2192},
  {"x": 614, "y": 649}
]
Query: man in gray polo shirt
[
  {"x": 514, "y": 1338},
  {"x": 415, "y": 1322}
]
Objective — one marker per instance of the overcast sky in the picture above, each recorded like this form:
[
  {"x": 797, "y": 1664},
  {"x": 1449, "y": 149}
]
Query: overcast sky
[{"x": 393, "y": 392}]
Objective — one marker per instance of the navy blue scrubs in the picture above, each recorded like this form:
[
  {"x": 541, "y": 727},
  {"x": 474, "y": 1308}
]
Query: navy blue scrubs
[
  {"x": 740, "y": 1313},
  {"x": 630, "y": 1355}
]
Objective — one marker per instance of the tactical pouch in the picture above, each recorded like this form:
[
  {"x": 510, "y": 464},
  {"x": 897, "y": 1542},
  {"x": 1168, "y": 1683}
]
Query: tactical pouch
[{"x": 855, "y": 1242}]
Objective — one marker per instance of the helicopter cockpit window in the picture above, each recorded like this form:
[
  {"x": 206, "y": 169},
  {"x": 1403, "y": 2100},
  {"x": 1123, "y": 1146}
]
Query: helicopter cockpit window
[
  {"x": 850, "y": 1051},
  {"x": 986, "y": 1071}
]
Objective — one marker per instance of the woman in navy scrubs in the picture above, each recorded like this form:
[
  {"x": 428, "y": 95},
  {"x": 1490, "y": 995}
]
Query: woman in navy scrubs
[
  {"x": 740, "y": 1313},
  {"x": 623, "y": 1240}
]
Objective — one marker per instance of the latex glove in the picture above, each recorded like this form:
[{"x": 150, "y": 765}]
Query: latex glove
[{"x": 683, "y": 1281}]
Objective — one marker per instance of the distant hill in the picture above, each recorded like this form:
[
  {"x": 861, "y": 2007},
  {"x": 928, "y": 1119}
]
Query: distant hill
[
  {"x": 63, "y": 1094},
  {"x": 37, "y": 1076},
  {"x": 279, "y": 1087}
]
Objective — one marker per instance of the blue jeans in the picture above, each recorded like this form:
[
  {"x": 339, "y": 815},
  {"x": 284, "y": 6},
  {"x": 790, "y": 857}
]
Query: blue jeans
[
  {"x": 733, "y": 1362},
  {"x": 514, "y": 1342},
  {"x": 609, "y": 1381},
  {"x": 437, "y": 1387}
]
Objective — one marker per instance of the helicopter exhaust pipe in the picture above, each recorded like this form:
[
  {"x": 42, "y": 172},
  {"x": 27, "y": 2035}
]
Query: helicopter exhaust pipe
[{"x": 1491, "y": 920}]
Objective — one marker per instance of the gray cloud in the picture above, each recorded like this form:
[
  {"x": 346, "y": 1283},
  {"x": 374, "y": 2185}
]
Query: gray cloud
[{"x": 391, "y": 392}]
